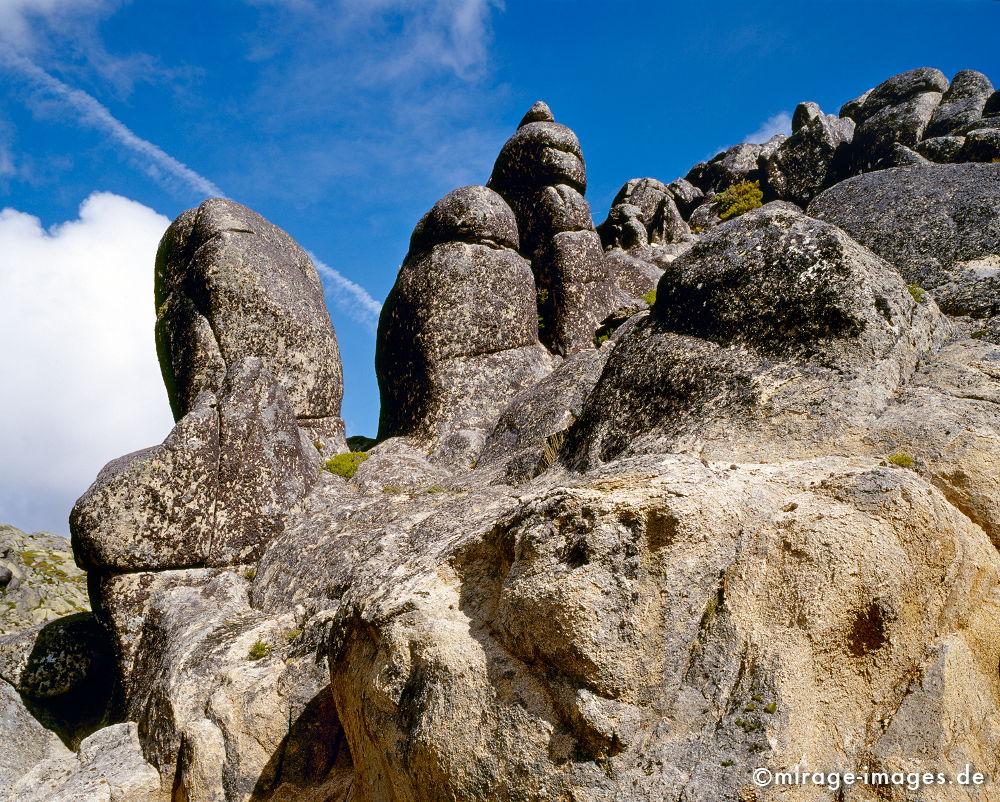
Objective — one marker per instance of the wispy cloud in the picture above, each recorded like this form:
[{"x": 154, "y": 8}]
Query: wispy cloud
[
  {"x": 351, "y": 297},
  {"x": 780, "y": 123},
  {"x": 95, "y": 115},
  {"x": 19, "y": 19}
]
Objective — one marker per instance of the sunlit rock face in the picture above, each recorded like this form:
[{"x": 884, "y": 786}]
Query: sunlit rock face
[{"x": 712, "y": 489}]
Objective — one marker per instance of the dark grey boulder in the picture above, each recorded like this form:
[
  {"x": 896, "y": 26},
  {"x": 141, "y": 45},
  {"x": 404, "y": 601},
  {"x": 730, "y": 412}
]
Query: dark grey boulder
[
  {"x": 458, "y": 335},
  {"x": 686, "y": 195},
  {"x": 6, "y": 575},
  {"x": 704, "y": 217},
  {"x": 852, "y": 108},
  {"x": 230, "y": 285},
  {"x": 812, "y": 158},
  {"x": 656, "y": 210},
  {"x": 540, "y": 173},
  {"x": 961, "y": 104},
  {"x": 941, "y": 149},
  {"x": 774, "y": 320},
  {"x": 539, "y": 113},
  {"x": 900, "y": 88},
  {"x": 939, "y": 225},
  {"x": 212, "y": 493},
  {"x": 902, "y": 156},
  {"x": 897, "y": 111},
  {"x": 981, "y": 145},
  {"x": 738, "y": 163}
]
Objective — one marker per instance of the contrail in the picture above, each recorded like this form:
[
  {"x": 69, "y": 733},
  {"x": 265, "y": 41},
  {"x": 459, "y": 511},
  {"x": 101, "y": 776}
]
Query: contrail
[
  {"x": 97, "y": 115},
  {"x": 353, "y": 298},
  {"x": 364, "y": 308}
]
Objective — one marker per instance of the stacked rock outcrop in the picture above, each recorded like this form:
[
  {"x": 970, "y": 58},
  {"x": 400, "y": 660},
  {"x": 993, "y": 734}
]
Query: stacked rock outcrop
[
  {"x": 540, "y": 172},
  {"x": 253, "y": 374},
  {"x": 751, "y": 521}
]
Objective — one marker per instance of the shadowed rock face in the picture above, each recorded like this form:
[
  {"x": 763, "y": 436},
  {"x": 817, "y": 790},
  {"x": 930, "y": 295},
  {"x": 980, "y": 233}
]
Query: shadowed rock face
[
  {"x": 231, "y": 285},
  {"x": 896, "y": 111},
  {"x": 755, "y": 523}
]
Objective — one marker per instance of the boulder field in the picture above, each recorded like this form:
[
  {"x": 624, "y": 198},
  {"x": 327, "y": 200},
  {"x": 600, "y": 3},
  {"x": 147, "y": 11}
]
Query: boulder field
[{"x": 710, "y": 487}]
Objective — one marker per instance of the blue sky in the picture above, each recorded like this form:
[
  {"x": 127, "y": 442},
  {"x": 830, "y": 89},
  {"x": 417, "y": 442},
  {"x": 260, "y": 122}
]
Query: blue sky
[{"x": 343, "y": 122}]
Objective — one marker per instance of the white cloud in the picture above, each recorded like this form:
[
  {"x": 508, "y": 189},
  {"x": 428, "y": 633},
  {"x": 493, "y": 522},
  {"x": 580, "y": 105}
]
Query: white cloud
[
  {"x": 780, "y": 123},
  {"x": 81, "y": 381},
  {"x": 21, "y": 20}
]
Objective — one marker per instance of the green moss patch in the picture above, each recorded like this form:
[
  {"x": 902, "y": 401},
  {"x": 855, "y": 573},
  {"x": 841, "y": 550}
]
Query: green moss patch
[{"x": 345, "y": 465}]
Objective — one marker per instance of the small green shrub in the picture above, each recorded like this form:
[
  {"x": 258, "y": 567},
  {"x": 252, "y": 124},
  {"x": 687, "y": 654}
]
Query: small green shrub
[
  {"x": 292, "y": 634},
  {"x": 258, "y": 651},
  {"x": 771, "y": 707},
  {"x": 918, "y": 294},
  {"x": 250, "y": 573},
  {"x": 393, "y": 489},
  {"x": 435, "y": 489},
  {"x": 902, "y": 460},
  {"x": 979, "y": 334},
  {"x": 345, "y": 465},
  {"x": 650, "y": 297},
  {"x": 600, "y": 339},
  {"x": 543, "y": 297},
  {"x": 738, "y": 199}
]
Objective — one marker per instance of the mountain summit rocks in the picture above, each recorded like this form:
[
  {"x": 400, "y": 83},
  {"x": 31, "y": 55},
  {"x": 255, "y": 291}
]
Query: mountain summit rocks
[{"x": 710, "y": 487}]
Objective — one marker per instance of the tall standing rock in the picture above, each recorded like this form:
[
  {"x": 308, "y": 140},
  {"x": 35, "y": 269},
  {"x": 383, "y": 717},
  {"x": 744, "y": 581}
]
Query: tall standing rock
[
  {"x": 458, "y": 335},
  {"x": 231, "y": 285},
  {"x": 541, "y": 174}
]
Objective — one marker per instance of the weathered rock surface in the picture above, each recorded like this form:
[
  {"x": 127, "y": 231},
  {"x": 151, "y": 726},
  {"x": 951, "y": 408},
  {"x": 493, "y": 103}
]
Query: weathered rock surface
[
  {"x": 231, "y": 285},
  {"x": 939, "y": 225},
  {"x": 212, "y": 493},
  {"x": 775, "y": 327},
  {"x": 38, "y": 580},
  {"x": 898, "y": 110},
  {"x": 458, "y": 335},
  {"x": 541, "y": 174},
  {"x": 738, "y": 163},
  {"x": 963, "y": 103},
  {"x": 812, "y": 158},
  {"x": 756, "y": 526}
]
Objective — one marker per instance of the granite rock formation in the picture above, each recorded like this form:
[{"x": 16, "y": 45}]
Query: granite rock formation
[
  {"x": 541, "y": 174},
  {"x": 611, "y": 544}
]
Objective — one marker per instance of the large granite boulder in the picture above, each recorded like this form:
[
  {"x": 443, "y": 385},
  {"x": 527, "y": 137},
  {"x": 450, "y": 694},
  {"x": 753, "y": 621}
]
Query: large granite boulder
[
  {"x": 458, "y": 335},
  {"x": 775, "y": 327},
  {"x": 896, "y": 111},
  {"x": 212, "y": 493},
  {"x": 963, "y": 103},
  {"x": 541, "y": 174},
  {"x": 812, "y": 158},
  {"x": 939, "y": 225},
  {"x": 231, "y": 285}
]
